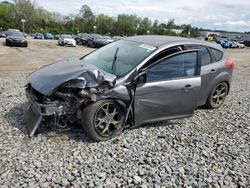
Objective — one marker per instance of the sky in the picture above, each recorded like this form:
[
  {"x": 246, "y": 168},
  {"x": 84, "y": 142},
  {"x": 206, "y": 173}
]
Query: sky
[{"x": 230, "y": 15}]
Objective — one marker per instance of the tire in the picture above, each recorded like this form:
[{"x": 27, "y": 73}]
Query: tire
[
  {"x": 25, "y": 45},
  {"x": 217, "y": 96},
  {"x": 100, "y": 120}
]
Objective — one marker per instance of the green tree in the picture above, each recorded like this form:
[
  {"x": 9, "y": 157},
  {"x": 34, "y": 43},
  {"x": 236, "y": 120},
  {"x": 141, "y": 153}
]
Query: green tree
[
  {"x": 7, "y": 15},
  {"x": 126, "y": 25},
  {"x": 25, "y": 9},
  {"x": 87, "y": 18},
  {"x": 104, "y": 24}
]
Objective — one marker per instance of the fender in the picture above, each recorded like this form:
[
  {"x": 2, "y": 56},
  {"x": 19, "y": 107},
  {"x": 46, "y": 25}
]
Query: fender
[{"x": 222, "y": 77}]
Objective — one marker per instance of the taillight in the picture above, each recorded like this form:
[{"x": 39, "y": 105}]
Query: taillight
[{"x": 230, "y": 64}]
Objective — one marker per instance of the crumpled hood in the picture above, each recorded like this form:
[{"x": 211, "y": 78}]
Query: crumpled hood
[{"x": 47, "y": 79}]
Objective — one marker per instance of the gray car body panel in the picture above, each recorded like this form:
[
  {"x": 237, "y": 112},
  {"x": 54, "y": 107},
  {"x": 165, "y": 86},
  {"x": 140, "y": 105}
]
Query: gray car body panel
[{"x": 161, "y": 100}]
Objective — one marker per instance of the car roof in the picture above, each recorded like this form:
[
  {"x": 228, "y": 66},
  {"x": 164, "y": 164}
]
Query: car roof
[{"x": 162, "y": 40}]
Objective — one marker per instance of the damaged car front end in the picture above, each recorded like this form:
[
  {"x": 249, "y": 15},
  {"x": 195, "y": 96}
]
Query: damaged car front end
[
  {"x": 60, "y": 92},
  {"x": 63, "y": 98}
]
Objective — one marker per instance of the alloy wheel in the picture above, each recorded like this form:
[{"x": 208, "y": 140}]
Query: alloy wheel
[
  {"x": 219, "y": 94},
  {"x": 108, "y": 119}
]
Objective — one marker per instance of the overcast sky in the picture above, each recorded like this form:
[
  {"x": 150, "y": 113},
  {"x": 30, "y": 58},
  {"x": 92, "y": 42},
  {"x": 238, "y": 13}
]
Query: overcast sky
[{"x": 231, "y": 15}]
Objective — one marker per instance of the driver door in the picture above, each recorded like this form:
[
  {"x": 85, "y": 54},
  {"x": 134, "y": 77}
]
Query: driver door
[{"x": 171, "y": 88}]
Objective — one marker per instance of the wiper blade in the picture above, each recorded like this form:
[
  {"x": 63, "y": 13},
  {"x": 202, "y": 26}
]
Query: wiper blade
[{"x": 113, "y": 69}]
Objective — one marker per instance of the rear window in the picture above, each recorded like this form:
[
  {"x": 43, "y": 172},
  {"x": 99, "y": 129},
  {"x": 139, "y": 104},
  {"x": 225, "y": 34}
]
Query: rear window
[
  {"x": 217, "y": 54},
  {"x": 205, "y": 55}
]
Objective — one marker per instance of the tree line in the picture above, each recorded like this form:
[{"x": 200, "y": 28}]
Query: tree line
[{"x": 39, "y": 19}]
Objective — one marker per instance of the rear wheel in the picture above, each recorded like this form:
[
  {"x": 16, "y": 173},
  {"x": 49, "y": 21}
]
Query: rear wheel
[
  {"x": 217, "y": 96},
  {"x": 102, "y": 120}
]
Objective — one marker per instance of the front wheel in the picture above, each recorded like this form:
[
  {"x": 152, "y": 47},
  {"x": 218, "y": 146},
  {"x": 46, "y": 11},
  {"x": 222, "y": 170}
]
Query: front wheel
[
  {"x": 103, "y": 120},
  {"x": 217, "y": 96}
]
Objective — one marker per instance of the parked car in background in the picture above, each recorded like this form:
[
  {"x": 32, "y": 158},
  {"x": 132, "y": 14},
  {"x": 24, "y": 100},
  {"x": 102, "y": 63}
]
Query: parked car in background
[
  {"x": 82, "y": 38},
  {"x": 133, "y": 81},
  {"x": 38, "y": 36},
  {"x": 225, "y": 43},
  {"x": 48, "y": 36},
  {"x": 91, "y": 38},
  {"x": 13, "y": 30},
  {"x": 2, "y": 34},
  {"x": 115, "y": 38},
  {"x": 24, "y": 34},
  {"x": 66, "y": 40},
  {"x": 56, "y": 36},
  {"x": 238, "y": 45},
  {"x": 15, "y": 38},
  {"x": 102, "y": 41}
]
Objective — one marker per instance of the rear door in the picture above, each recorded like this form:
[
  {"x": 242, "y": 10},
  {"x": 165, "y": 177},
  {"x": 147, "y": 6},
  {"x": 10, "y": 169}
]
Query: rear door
[
  {"x": 171, "y": 90},
  {"x": 208, "y": 71}
]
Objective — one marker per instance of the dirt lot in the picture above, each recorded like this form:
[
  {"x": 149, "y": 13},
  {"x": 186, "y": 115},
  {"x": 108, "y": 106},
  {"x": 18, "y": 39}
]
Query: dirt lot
[
  {"x": 210, "y": 149},
  {"x": 39, "y": 53},
  {"x": 43, "y": 52}
]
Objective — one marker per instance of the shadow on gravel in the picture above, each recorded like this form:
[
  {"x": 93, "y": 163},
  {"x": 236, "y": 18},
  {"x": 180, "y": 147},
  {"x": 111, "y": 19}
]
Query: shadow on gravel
[
  {"x": 15, "y": 118},
  {"x": 168, "y": 123}
]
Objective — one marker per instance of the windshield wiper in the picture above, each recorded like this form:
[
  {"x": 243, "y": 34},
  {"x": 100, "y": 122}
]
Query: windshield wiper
[{"x": 113, "y": 69}]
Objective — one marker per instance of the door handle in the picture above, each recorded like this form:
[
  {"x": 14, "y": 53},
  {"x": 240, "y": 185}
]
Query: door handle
[
  {"x": 187, "y": 87},
  {"x": 212, "y": 71}
]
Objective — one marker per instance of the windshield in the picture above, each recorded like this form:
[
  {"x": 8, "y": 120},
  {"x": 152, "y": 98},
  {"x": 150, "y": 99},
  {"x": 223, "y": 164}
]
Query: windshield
[
  {"x": 123, "y": 55},
  {"x": 16, "y": 34},
  {"x": 48, "y": 34},
  {"x": 97, "y": 36},
  {"x": 106, "y": 37},
  {"x": 67, "y": 36}
]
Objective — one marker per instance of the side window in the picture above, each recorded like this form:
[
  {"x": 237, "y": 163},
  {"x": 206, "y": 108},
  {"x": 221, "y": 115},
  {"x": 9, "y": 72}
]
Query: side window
[
  {"x": 217, "y": 54},
  {"x": 183, "y": 65},
  {"x": 163, "y": 54},
  {"x": 205, "y": 55}
]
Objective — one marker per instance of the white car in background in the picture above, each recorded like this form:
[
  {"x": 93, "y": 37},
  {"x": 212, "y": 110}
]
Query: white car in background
[
  {"x": 66, "y": 40},
  {"x": 238, "y": 45}
]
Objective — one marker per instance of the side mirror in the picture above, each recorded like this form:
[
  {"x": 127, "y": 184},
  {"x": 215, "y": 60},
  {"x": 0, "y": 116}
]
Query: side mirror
[{"x": 141, "y": 78}]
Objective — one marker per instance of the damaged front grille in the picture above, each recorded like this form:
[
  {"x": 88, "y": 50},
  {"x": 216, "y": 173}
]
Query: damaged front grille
[
  {"x": 63, "y": 101},
  {"x": 44, "y": 105}
]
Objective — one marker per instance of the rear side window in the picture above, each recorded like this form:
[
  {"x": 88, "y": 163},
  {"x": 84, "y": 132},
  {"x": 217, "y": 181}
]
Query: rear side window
[
  {"x": 217, "y": 54},
  {"x": 205, "y": 55}
]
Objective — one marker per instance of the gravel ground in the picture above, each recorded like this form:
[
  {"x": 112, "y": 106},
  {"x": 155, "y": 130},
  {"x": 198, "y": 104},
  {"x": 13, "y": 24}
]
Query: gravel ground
[{"x": 210, "y": 149}]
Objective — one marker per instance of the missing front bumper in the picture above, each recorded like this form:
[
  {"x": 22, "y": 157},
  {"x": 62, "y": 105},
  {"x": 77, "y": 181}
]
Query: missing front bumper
[
  {"x": 36, "y": 113},
  {"x": 33, "y": 120}
]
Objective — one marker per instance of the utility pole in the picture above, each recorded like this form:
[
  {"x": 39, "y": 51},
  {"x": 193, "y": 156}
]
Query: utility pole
[{"x": 23, "y": 21}]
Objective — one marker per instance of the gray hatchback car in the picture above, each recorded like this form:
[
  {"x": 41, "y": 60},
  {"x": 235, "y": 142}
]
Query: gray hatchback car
[{"x": 133, "y": 81}]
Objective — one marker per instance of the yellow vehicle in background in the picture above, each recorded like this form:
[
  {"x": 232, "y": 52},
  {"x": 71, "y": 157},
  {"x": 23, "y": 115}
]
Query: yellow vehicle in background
[{"x": 212, "y": 37}]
